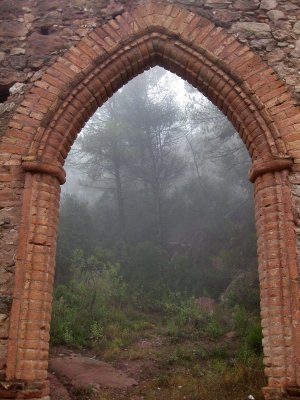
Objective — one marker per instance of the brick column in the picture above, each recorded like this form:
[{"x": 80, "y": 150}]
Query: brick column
[
  {"x": 27, "y": 359},
  {"x": 279, "y": 288}
]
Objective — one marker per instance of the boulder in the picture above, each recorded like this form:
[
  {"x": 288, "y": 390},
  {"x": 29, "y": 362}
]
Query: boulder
[
  {"x": 268, "y": 4},
  {"x": 243, "y": 290},
  {"x": 206, "y": 304}
]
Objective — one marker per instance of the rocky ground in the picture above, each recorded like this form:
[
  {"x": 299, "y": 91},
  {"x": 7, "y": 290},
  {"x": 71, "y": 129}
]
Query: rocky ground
[{"x": 155, "y": 367}]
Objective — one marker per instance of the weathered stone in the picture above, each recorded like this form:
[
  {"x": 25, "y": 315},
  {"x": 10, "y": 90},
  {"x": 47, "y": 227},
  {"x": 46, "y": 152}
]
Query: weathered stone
[
  {"x": 291, "y": 80},
  {"x": 3, "y": 351},
  {"x": 296, "y": 28},
  {"x": 268, "y": 4},
  {"x": 280, "y": 35},
  {"x": 17, "y": 88},
  {"x": 17, "y": 51},
  {"x": 246, "y": 5},
  {"x": 44, "y": 44},
  {"x": 5, "y": 303},
  {"x": 206, "y": 304},
  {"x": 282, "y": 44},
  {"x": 288, "y": 6},
  {"x": 12, "y": 29},
  {"x": 275, "y": 56},
  {"x": 296, "y": 52},
  {"x": 3, "y": 317},
  {"x": 18, "y": 62},
  {"x": 226, "y": 16},
  {"x": 217, "y": 3},
  {"x": 28, "y": 18},
  {"x": 284, "y": 25},
  {"x": 260, "y": 43},
  {"x": 6, "y": 107},
  {"x": 7, "y": 77},
  {"x": 253, "y": 27},
  {"x": 275, "y": 15}
]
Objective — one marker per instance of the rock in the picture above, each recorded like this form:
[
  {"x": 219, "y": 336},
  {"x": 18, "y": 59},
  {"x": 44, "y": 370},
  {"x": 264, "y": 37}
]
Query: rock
[
  {"x": 206, "y": 304},
  {"x": 217, "y": 3},
  {"x": 288, "y": 6},
  {"x": 226, "y": 16},
  {"x": 18, "y": 62},
  {"x": 284, "y": 25},
  {"x": 296, "y": 28},
  {"x": 296, "y": 52},
  {"x": 243, "y": 289},
  {"x": 275, "y": 15},
  {"x": 86, "y": 372},
  {"x": 282, "y": 44},
  {"x": 260, "y": 43},
  {"x": 3, "y": 317},
  {"x": 268, "y": 4},
  {"x": 246, "y": 5},
  {"x": 12, "y": 29},
  {"x": 17, "y": 51},
  {"x": 44, "y": 44},
  {"x": 17, "y": 88},
  {"x": 252, "y": 27},
  {"x": 6, "y": 107},
  {"x": 3, "y": 352},
  {"x": 8, "y": 77},
  {"x": 275, "y": 56},
  {"x": 291, "y": 80},
  {"x": 5, "y": 303},
  {"x": 280, "y": 35}
]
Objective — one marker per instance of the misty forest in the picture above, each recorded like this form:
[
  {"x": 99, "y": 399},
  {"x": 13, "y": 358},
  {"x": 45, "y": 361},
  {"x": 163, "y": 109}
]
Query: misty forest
[{"x": 156, "y": 267}]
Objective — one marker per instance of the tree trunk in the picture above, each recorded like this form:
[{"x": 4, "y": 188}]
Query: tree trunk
[
  {"x": 120, "y": 204},
  {"x": 159, "y": 215}
]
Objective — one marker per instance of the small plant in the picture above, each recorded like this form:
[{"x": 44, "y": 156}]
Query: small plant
[
  {"x": 97, "y": 331},
  {"x": 213, "y": 328},
  {"x": 80, "y": 393},
  {"x": 254, "y": 338},
  {"x": 218, "y": 352}
]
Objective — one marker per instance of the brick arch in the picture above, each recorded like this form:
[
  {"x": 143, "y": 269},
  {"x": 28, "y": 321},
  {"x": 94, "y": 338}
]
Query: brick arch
[{"x": 46, "y": 123}]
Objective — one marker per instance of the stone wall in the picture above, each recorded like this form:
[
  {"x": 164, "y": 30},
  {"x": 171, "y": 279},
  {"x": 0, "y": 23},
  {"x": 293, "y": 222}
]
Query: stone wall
[{"x": 34, "y": 33}]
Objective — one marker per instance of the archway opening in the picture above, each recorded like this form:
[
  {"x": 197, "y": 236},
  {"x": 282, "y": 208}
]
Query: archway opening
[
  {"x": 156, "y": 256},
  {"x": 56, "y": 108}
]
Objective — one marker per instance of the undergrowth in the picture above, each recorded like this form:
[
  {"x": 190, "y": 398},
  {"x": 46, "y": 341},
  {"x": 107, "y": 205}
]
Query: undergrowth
[{"x": 195, "y": 360}]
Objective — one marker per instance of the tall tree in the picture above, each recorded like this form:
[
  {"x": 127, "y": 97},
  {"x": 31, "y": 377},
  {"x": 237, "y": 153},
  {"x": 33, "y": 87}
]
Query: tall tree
[
  {"x": 154, "y": 130},
  {"x": 101, "y": 153},
  {"x": 134, "y": 137}
]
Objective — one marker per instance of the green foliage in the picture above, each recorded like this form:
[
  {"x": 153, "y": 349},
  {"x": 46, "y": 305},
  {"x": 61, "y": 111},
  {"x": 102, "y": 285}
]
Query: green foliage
[
  {"x": 84, "y": 309},
  {"x": 219, "y": 351},
  {"x": 249, "y": 330},
  {"x": 76, "y": 231}
]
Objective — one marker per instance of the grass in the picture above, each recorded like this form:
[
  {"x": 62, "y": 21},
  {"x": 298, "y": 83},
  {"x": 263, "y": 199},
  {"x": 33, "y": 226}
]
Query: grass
[
  {"x": 217, "y": 380},
  {"x": 186, "y": 350}
]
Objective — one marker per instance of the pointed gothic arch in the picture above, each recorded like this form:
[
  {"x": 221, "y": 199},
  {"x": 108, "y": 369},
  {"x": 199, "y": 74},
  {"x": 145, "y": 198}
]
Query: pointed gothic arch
[{"x": 52, "y": 113}]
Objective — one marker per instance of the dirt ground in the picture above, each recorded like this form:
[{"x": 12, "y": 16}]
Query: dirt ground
[{"x": 72, "y": 372}]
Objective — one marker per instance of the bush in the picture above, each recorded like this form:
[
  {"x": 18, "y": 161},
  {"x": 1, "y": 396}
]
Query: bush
[
  {"x": 249, "y": 330},
  {"x": 85, "y": 306}
]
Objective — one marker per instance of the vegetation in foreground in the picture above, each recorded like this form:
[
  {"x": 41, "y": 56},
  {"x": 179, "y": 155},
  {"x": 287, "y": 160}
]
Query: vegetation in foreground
[{"x": 192, "y": 353}]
